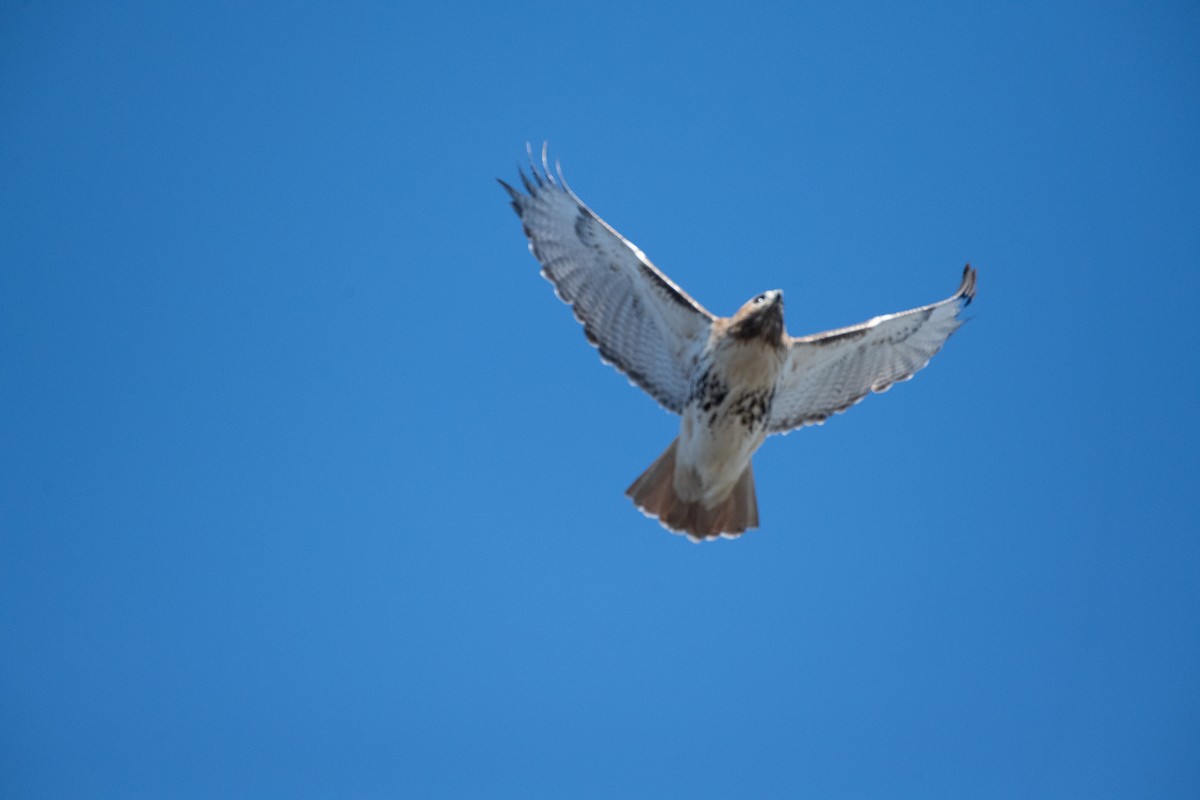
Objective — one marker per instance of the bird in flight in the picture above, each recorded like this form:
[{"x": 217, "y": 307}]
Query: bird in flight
[{"x": 733, "y": 380}]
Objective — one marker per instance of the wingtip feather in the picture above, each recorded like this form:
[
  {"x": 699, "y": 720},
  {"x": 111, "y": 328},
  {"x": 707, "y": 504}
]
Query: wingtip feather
[
  {"x": 966, "y": 289},
  {"x": 546, "y": 163},
  {"x": 513, "y": 193}
]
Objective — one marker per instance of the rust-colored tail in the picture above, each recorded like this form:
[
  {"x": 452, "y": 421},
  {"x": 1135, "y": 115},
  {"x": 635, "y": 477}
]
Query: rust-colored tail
[{"x": 654, "y": 493}]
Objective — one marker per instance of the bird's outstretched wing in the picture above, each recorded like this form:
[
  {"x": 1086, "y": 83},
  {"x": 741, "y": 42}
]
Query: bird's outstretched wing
[
  {"x": 642, "y": 323},
  {"x": 828, "y": 372}
]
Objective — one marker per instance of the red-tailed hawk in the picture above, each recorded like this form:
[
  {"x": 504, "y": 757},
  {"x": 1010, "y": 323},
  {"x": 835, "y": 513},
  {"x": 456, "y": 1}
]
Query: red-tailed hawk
[{"x": 734, "y": 380}]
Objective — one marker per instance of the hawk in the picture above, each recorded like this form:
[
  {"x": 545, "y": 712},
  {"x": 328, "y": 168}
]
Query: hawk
[{"x": 733, "y": 380}]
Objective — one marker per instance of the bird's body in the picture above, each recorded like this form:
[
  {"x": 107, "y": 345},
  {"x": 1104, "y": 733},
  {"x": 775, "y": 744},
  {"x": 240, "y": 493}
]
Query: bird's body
[
  {"x": 733, "y": 380},
  {"x": 703, "y": 484}
]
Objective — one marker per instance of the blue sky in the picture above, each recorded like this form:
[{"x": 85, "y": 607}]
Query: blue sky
[{"x": 309, "y": 487}]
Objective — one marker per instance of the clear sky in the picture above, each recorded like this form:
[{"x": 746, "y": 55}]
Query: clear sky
[{"x": 309, "y": 486}]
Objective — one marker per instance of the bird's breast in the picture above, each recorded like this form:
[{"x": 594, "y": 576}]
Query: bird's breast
[
  {"x": 724, "y": 420},
  {"x": 736, "y": 380}
]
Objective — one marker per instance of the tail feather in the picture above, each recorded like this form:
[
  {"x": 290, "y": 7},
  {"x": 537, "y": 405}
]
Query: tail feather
[{"x": 654, "y": 493}]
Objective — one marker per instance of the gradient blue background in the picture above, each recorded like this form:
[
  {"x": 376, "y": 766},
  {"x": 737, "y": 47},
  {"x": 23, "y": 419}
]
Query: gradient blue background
[{"x": 311, "y": 488}]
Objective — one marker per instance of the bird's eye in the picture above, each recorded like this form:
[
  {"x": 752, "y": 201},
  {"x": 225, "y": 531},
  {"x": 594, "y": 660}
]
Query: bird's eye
[{"x": 760, "y": 298}]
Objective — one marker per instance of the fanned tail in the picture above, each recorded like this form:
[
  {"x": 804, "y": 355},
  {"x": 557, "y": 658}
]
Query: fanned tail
[{"x": 654, "y": 493}]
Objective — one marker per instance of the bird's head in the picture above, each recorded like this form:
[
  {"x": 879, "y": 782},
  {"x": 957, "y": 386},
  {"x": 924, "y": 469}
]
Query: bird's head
[{"x": 760, "y": 318}]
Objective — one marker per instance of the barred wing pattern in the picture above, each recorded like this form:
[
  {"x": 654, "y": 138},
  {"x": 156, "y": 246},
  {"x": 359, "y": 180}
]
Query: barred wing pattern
[
  {"x": 828, "y": 372},
  {"x": 642, "y": 323}
]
